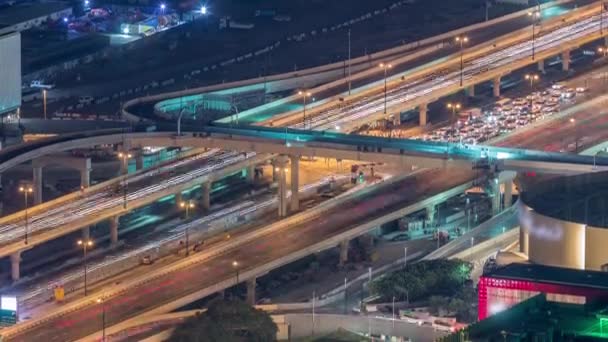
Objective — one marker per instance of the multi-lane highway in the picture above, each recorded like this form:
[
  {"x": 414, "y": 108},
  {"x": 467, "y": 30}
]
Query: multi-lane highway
[
  {"x": 293, "y": 238},
  {"x": 341, "y": 115}
]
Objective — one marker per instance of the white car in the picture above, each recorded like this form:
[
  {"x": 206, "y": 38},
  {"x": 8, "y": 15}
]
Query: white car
[{"x": 581, "y": 89}]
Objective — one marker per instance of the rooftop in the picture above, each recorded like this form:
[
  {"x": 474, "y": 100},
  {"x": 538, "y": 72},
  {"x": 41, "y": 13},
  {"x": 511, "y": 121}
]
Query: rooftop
[
  {"x": 16, "y": 14},
  {"x": 581, "y": 199},
  {"x": 552, "y": 275}
]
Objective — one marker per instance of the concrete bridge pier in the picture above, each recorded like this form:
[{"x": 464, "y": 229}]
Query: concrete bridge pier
[
  {"x": 251, "y": 284},
  {"x": 343, "y": 252},
  {"x": 206, "y": 196},
  {"x": 506, "y": 179},
  {"x": 295, "y": 183},
  {"x": 430, "y": 214},
  {"x": 83, "y": 165},
  {"x": 397, "y": 119},
  {"x": 541, "y": 66},
  {"x": 281, "y": 170},
  {"x": 470, "y": 91},
  {"x": 15, "y": 263},
  {"x": 494, "y": 189},
  {"x": 139, "y": 161},
  {"x": 178, "y": 198},
  {"x": 496, "y": 86},
  {"x": 85, "y": 174},
  {"x": 566, "y": 60},
  {"x": 37, "y": 180},
  {"x": 250, "y": 173},
  {"x": 86, "y": 233},
  {"x": 114, "y": 230},
  {"x": 422, "y": 118}
]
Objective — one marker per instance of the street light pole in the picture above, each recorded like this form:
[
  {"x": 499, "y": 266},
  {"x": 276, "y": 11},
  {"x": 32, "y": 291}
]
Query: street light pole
[
  {"x": 187, "y": 205},
  {"x": 385, "y": 67},
  {"x": 573, "y": 121},
  {"x": 535, "y": 15},
  {"x": 304, "y": 95},
  {"x": 235, "y": 264},
  {"x": 44, "y": 102},
  {"x": 85, "y": 246},
  {"x": 454, "y": 107},
  {"x": 124, "y": 157},
  {"x": 103, "y": 319},
  {"x": 462, "y": 40},
  {"x": 349, "y": 83},
  {"x": 393, "y": 313},
  {"x": 26, "y": 190}
]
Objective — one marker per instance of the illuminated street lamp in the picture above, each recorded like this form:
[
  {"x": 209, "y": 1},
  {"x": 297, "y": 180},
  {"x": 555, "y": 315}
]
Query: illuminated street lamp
[
  {"x": 454, "y": 107},
  {"x": 44, "y": 91},
  {"x": 125, "y": 30},
  {"x": 124, "y": 158},
  {"x": 385, "y": 67},
  {"x": 235, "y": 264},
  {"x": 203, "y": 10},
  {"x": 187, "y": 206},
  {"x": 26, "y": 190},
  {"x": 85, "y": 244},
  {"x": 535, "y": 15},
  {"x": 573, "y": 121},
  {"x": 603, "y": 50},
  {"x": 304, "y": 95},
  {"x": 162, "y": 8},
  {"x": 461, "y": 40},
  {"x": 532, "y": 78},
  {"x": 103, "y": 318}
]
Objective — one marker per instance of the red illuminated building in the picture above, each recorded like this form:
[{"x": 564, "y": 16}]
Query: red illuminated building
[{"x": 506, "y": 286}]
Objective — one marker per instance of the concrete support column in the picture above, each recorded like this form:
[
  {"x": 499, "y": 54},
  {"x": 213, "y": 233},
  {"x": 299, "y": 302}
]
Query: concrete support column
[
  {"x": 114, "y": 230},
  {"x": 139, "y": 161},
  {"x": 397, "y": 119},
  {"x": 281, "y": 170},
  {"x": 85, "y": 174},
  {"x": 251, "y": 173},
  {"x": 124, "y": 167},
  {"x": 275, "y": 174},
  {"x": 37, "y": 184},
  {"x": 251, "y": 291},
  {"x": 496, "y": 87},
  {"x": 206, "y": 196},
  {"x": 495, "y": 189},
  {"x": 541, "y": 66},
  {"x": 295, "y": 183},
  {"x": 86, "y": 233},
  {"x": 430, "y": 213},
  {"x": 15, "y": 263},
  {"x": 523, "y": 240},
  {"x": 343, "y": 252},
  {"x": 422, "y": 119},
  {"x": 178, "y": 197},
  {"x": 566, "y": 60},
  {"x": 508, "y": 197},
  {"x": 471, "y": 90}
]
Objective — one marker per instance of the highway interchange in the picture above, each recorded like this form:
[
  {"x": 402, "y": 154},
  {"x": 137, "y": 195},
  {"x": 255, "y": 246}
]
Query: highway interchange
[{"x": 378, "y": 202}]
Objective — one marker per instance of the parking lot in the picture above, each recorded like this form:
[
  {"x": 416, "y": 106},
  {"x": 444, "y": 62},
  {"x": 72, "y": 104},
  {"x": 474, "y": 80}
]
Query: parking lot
[{"x": 475, "y": 126}]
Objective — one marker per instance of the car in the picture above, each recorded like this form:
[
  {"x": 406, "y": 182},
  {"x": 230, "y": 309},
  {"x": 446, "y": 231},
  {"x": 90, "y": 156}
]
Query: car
[
  {"x": 580, "y": 89},
  {"x": 41, "y": 84},
  {"x": 558, "y": 86}
]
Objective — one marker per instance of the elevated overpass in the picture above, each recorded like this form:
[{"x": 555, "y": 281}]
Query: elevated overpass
[{"x": 484, "y": 62}]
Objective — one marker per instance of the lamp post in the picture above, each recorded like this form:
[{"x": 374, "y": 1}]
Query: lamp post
[
  {"x": 603, "y": 50},
  {"x": 85, "y": 244},
  {"x": 573, "y": 121},
  {"x": 44, "y": 91},
  {"x": 535, "y": 15},
  {"x": 304, "y": 95},
  {"x": 532, "y": 78},
  {"x": 235, "y": 264},
  {"x": 393, "y": 313},
  {"x": 203, "y": 10},
  {"x": 385, "y": 66},
  {"x": 26, "y": 190},
  {"x": 187, "y": 206},
  {"x": 103, "y": 318},
  {"x": 454, "y": 107},
  {"x": 124, "y": 158},
  {"x": 349, "y": 82},
  {"x": 461, "y": 40}
]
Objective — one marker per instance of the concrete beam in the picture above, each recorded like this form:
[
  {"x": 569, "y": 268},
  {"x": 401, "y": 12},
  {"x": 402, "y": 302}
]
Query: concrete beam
[
  {"x": 508, "y": 193},
  {"x": 422, "y": 118},
  {"x": 251, "y": 283},
  {"x": 139, "y": 161},
  {"x": 470, "y": 91},
  {"x": 295, "y": 183}
]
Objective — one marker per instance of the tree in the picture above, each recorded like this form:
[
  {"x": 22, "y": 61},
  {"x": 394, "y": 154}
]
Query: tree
[{"x": 227, "y": 321}]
